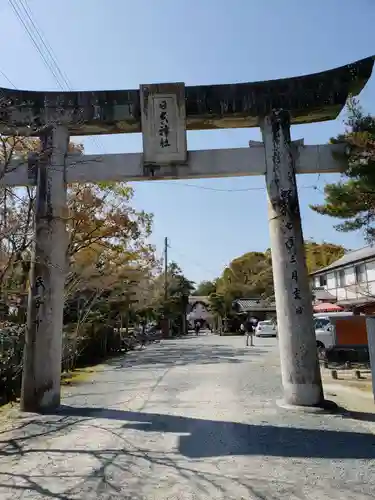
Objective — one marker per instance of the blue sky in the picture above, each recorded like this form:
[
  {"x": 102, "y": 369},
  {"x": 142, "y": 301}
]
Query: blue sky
[{"x": 119, "y": 44}]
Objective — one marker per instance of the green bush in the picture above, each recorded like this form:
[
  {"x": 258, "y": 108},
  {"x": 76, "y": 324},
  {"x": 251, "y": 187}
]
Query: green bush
[
  {"x": 12, "y": 340},
  {"x": 90, "y": 345}
]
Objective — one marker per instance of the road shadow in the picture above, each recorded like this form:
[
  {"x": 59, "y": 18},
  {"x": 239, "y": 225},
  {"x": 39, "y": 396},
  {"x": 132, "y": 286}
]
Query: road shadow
[
  {"x": 357, "y": 415},
  {"x": 202, "y": 438},
  {"x": 39, "y": 457},
  {"x": 182, "y": 354}
]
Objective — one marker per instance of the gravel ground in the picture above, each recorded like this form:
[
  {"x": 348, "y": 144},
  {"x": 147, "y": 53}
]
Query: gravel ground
[{"x": 188, "y": 419}]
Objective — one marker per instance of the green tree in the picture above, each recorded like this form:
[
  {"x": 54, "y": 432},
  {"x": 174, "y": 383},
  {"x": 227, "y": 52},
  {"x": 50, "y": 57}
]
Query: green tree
[
  {"x": 320, "y": 255},
  {"x": 110, "y": 260},
  {"x": 205, "y": 288},
  {"x": 111, "y": 263},
  {"x": 220, "y": 304},
  {"x": 352, "y": 198},
  {"x": 16, "y": 217},
  {"x": 247, "y": 276},
  {"x": 250, "y": 275},
  {"x": 179, "y": 289}
]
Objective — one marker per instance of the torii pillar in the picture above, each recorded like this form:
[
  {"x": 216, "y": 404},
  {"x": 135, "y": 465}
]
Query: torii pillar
[
  {"x": 43, "y": 343},
  {"x": 300, "y": 369}
]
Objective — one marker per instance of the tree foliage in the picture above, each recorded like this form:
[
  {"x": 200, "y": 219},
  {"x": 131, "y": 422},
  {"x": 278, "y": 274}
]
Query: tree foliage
[
  {"x": 247, "y": 276},
  {"x": 108, "y": 252},
  {"x": 16, "y": 215},
  {"x": 111, "y": 266},
  {"x": 205, "y": 288},
  {"x": 107, "y": 238},
  {"x": 250, "y": 275},
  {"x": 220, "y": 304},
  {"x": 320, "y": 255},
  {"x": 179, "y": 288},
  {"x": 352, "y": 198}
]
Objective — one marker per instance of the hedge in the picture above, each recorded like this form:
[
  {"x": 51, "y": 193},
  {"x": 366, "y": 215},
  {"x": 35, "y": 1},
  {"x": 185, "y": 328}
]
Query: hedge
[{"x": 92, "y": 344}]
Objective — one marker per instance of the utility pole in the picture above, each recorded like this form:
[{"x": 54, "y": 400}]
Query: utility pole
[
  {"x": 165, "y": 269},
  {"x": 166, "y": 318}
]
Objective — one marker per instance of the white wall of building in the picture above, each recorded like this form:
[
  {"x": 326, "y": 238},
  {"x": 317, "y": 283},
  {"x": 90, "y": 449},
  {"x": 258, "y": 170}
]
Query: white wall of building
[
  {"x": 354, "y": 281},
  {"x": 350, "y": 278},
  {"x": 199, "y": 312},
  {"x": 370, "y": 266},
  {"x": 331, "y": 281},
  {"x": 371, "y": 288}
]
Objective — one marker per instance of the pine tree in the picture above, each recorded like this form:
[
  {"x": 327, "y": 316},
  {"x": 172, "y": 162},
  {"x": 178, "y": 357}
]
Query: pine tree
[{"x": 352, "y": 199}]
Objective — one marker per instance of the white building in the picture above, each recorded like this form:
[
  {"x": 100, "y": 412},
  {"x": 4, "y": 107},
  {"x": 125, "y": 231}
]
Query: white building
[
  {"x": 350, "y": 280},
  {"x": 199, "y": 310}
]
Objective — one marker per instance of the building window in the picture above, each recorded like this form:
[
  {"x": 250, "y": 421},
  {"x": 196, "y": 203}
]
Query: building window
[
  {"x": 360, "y": 273},
  {"x": 323, "y": 280},
  {"x": 340, "y": 278}
]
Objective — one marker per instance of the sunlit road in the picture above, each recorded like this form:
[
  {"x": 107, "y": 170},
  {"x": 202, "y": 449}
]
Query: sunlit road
[{"x": 193, "y": 418}]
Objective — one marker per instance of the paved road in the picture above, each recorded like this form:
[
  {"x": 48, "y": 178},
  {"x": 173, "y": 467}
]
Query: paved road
[{"x": 190, "y": 419}]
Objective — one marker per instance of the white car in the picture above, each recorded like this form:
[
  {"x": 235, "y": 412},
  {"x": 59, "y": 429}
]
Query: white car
[
  {"x": 323, "y": 332},
  {"x": 266, "y": 328}
]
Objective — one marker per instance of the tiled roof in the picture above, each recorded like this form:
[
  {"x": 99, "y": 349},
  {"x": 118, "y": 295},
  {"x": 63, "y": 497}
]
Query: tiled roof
[
  {"x": 195, "y": 298},
  {"x": 246, "y": 305},
  {"x": 360, "y": 301},
  {"x": 349, "y": 258},
  {"x": 322, "y": 294},
  {"x": 192, "y": 305}
]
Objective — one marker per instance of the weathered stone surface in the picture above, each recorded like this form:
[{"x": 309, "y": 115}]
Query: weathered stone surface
[
  {"x": 298, "y": 355},
  {"x": 128, "y": 167},
  {"x": 310, "y": 98}
]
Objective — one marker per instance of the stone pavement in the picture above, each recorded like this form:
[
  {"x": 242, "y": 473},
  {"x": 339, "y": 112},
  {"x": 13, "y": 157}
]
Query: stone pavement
[{"x": 188, "y": 419}]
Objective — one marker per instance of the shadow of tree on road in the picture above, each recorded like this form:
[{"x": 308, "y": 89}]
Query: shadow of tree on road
[
  {"x": 107, "y": 471},
  {"x": 209, "y": 438},
  {"x": 185, "y": 354},
  {"x": 115, "y": 467},
  {"x": 61, "y": 455}
]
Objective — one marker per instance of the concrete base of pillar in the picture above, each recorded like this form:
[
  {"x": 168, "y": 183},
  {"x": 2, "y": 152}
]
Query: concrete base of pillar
[
  {"x": 326, "y": 406},
  {"x": 307, "y": 394}
]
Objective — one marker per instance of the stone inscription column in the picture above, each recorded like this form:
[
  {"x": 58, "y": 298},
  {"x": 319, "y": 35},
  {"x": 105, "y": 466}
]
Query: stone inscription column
[
  {"x": 298, "y": 353},
  {"x": 42, "y": 357}
]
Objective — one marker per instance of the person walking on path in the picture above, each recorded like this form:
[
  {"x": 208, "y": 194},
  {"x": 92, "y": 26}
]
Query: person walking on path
[
  {"x": 143, "y": 336},
  {"x": 197, "y": 327},
  {"x": 249, "y": 334}
]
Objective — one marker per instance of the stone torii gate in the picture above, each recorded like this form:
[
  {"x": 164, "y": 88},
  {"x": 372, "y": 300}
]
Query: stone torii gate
[{"x": 163, "y": 113}]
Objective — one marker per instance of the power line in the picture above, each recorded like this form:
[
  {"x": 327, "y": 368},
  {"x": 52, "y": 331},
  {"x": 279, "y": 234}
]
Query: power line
[
  {"x": 7, "y": 79},
  {"x": 18, "y": 13},
  {"x": 196, "y": 263},
  {"x": 24, "y": 14},
  {"x": 24, "y": 4}
]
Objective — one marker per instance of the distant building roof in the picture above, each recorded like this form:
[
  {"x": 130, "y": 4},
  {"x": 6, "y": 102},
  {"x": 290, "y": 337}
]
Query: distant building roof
[
  {"x": 321, "y": 294},
  {"x": 359, "y": 301},
  {"x": 196, "y": 298},
  {"x": 249, "y": 305},
  {"x": 349, "y": 258}
]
